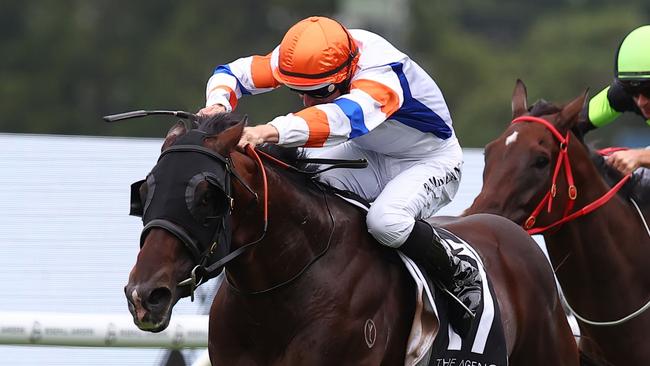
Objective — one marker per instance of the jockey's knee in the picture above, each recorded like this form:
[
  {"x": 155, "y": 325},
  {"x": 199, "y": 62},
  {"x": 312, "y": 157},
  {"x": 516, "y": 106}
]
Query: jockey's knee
[{"x": 390, "y": 229}]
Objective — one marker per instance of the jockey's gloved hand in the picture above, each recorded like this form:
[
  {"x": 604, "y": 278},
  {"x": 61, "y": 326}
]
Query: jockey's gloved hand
[{"x": 211, "y": 110}]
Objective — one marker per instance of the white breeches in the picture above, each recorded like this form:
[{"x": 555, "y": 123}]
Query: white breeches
[{"x": 401, "y": 190}]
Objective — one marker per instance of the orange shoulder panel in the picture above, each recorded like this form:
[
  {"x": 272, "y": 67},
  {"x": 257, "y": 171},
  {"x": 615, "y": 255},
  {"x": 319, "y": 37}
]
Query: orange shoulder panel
[
  {"x": 261, "y": 72},
  {"x": 386, "y": 96},
  {"x": 319, "y": 128}
]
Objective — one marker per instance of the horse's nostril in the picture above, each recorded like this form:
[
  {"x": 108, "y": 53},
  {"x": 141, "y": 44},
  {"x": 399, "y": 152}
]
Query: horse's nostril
[{"x": 158, "y": 298}]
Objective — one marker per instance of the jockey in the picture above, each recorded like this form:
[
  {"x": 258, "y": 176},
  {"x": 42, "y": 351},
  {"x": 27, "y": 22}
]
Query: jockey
[
  {"x": 630, "y": 92},
  {"x": 364, "y": 98}
]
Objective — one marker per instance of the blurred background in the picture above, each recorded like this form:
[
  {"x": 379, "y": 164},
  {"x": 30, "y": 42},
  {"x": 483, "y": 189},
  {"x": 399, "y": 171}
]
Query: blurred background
[
  {"x": 66, "y": 241},
  {"x": 65, "y": 63}
]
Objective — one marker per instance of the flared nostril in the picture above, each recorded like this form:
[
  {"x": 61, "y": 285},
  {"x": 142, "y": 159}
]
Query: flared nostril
[{"x": 158, "y": 298}]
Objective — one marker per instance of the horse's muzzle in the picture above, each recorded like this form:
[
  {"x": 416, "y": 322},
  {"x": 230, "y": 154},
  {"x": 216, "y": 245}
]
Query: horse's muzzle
[{"x": 151, "y": 308}]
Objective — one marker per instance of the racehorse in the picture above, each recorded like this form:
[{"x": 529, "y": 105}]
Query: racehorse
[
  {"x": 303, "y": 278},
  {"x": 540, "y": 174}
]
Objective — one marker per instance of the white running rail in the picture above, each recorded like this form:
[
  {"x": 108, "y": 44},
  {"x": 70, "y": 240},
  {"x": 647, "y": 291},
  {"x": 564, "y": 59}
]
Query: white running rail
[{"x": 99, "y": 330}]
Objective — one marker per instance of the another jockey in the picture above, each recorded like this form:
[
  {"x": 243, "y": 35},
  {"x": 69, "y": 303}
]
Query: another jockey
[
  {"x": 364, "y": 99},
  {"x": 630, "y": 92}
]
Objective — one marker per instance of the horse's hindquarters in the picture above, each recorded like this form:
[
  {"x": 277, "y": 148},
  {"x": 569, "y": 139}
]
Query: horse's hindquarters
[{"x": 532, "y": 317}]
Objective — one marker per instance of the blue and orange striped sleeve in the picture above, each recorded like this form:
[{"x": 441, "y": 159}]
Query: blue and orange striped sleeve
[
  {"x": 247, "y": 75},
  {"x": 374, "y": 96}
]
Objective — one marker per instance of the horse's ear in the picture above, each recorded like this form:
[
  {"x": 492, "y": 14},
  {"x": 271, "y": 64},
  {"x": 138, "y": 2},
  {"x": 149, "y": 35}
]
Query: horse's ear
[
  {"x": 571, "y": 112},
  {"x": 584, "y": 113},
  {"x": 519, "y": 97},
  {"x": 178, "y": 129},
  {"x": 226, "y": 141}
]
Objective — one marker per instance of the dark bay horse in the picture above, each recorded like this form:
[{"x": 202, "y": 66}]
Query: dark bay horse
[
  {"x": 598, "y": 244},
  {"x": 303, "y": 278}
]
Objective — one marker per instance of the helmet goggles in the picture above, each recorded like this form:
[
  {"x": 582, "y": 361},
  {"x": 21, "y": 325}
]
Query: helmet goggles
[
  {"x": 635, "y": 87},
  {"x": 320, "y": 93}
]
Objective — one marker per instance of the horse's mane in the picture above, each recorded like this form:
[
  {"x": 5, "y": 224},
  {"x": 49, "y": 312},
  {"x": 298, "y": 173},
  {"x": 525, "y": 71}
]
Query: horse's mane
[
  {"x": 213, "y": 125},
  {"x": 609, "y": 173},
  {"x": 220, "y": 122},
  {"x": 543, "y": 107}
]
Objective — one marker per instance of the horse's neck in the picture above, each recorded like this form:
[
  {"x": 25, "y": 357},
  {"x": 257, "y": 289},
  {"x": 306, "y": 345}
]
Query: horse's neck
[
  {"x": 299, "y": 230},
  {"x": 608, "y": 245},
  {"x": 595, "y": 227}
]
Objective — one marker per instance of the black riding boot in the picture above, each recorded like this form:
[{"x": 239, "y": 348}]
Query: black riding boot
[{"x": 460, "y": 277}]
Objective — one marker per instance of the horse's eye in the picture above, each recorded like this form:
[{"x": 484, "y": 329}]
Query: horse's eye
[{"x": 541, "y": 162}]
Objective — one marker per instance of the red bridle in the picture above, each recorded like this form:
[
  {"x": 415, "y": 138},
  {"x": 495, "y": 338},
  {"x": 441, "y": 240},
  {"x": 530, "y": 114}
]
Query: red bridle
[{"x": 563, "y": 159}]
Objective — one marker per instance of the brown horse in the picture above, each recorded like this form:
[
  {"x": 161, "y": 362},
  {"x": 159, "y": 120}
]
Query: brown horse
[
  {"x": 596, "y": 238},
  {"x": 303, "y": 278}
]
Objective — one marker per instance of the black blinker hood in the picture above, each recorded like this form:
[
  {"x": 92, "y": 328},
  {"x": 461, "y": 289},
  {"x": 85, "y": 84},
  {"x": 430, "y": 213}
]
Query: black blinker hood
[{"x": 169, "y": 202}]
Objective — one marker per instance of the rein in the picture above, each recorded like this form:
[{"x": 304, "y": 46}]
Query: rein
[
  {"x": 255, "y": 154},
  {"x": 303, "y": 270},
  {"x": 335, "y": 163},
  {"x": 563, "y": 159},
  {"x": 199, "y": 272},
  {"x": 626, "y": 318}
]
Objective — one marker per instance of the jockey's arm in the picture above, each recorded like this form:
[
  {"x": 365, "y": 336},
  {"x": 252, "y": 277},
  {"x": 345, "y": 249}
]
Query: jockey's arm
[
  {"x": 229, "y": 82},
  {"x": 374, "y": 95},
  {"x": 606, "y": 106},
  {"x": 601, "y": 111},
  {"x": 627, "y": 161},
  {"x": 258, "y": 135},
  {"x": 212, "y": 110}
]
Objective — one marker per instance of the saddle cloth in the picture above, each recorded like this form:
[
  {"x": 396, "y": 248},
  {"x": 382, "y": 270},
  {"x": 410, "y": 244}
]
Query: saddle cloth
[{"x": 441, "y": 346}]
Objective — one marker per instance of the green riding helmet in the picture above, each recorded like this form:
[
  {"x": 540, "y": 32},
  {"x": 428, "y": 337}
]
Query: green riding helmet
[{"x": 633, "y": 57}]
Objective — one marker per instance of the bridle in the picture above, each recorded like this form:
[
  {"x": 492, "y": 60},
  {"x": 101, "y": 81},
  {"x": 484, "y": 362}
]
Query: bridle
[
  {"x": 563, "y": 160},
  {"x": 203, "y": 268},
  {"x": 200, "y": 271}
]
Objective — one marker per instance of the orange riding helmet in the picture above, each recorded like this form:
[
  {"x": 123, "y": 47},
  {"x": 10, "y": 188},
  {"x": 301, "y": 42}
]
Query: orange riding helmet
[{"x": 316, "y": 51}]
